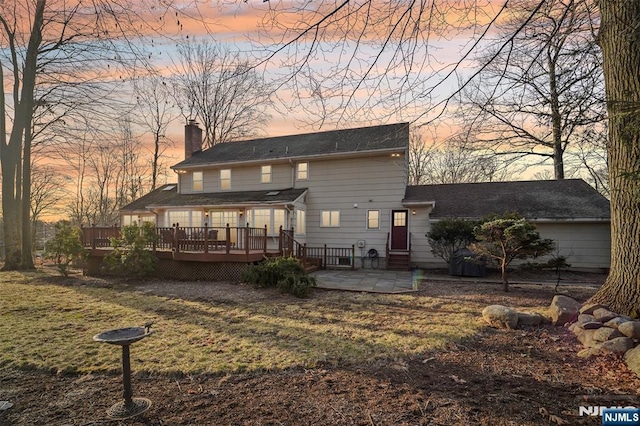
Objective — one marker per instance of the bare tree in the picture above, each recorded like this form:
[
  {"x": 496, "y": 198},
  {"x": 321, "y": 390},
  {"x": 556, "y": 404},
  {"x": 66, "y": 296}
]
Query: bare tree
[
  {"x": 222, "y": 91},
  {"x": 538, "y": 98},
  {"x": 619, "y": 39},
  {"x": 53, "y": 54},
  {"x": 47, "y": 191},
  {"x": 386, "y": 54},
  {"x": 420, "y": 155},
  {"x": 451, "y": 161},
  {"x": 153, "y": 96}
]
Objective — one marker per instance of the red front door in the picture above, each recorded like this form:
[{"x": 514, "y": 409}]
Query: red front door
[{"x": 399, "y": 230}]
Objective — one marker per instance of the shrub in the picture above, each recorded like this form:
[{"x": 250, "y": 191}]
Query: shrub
[
  {"x": 65, "y": 247},
  {"x": 505, "y": 239},
  {"x": 449, "y": 235},
  {"x": 284, "y": 273},
  {"x": 131, "y": 254}
]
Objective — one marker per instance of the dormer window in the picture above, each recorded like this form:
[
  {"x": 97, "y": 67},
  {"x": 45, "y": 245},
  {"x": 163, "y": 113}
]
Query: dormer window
[
  {"x": 265, "y": 174},
  {"x": 302, "y": 171},
  {"x": 197, "y": 184}
]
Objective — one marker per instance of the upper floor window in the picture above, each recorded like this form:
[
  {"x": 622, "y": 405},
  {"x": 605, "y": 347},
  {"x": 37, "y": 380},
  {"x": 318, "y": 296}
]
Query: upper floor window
[
  {"x": 303, "y": 171},
  {"x": 373, "y": 219},
  {"x": 330, "y": 219},
  {"x": 225, "y": 179},
  {"x": 197, "y": 182},
  {"x": 265, "y": 174}
]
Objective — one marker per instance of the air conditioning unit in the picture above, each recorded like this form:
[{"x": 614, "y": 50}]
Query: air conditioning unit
[{"x": 361, "y": 243}]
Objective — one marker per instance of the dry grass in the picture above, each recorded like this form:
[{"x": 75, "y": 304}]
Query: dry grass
[{"x": 49, "y": 326}]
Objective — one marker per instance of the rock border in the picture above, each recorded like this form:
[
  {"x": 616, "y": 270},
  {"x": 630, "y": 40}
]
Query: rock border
[{"x": 600, "y": 330}]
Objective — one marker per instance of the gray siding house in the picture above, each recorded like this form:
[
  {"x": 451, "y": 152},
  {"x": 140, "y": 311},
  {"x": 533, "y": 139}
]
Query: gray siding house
[
  {"x": 348, "y": 189},
  {"x": 340, "y": 188}
]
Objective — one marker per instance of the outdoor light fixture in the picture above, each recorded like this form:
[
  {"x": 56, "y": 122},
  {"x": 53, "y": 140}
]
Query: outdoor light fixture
[{"x": 413, "y": 212}]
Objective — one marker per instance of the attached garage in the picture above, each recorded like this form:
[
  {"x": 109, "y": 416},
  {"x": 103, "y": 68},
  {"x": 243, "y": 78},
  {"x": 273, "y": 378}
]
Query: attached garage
[{"x": 568, "y": 211}]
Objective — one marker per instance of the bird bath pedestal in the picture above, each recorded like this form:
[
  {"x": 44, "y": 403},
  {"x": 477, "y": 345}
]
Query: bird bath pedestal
[{"x": 124, "y": 337}]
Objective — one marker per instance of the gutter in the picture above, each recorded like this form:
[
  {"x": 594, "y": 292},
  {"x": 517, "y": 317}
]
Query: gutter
[{"x": 330, "y": 155}]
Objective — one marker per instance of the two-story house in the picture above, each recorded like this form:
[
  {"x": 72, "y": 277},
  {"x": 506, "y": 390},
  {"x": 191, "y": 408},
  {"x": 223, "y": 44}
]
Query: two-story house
[
  {"x": 342, "y": 196},
  {"x": 342, "y": 189}
]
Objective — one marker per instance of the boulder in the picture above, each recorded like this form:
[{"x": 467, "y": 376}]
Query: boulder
[
  {"x": 615, "y": 323},
  {"x": 531, "y": 319},
  {"x": 563, "y": 309},
  {"x": 632, "y": 359},
  {"x": 583, "y": 318},
  {"x": 588, "y": 308},
  {"x": 630, "y": 329},
  {"x": 586, "y": 338},
  {"x": 589, "y": 352},
  {"x": 592, "y": 325},
  {"x": 618, "y": 345},
  {"x": 500, "y": 316},
  {"x": 605, "y": 333},
  {"x": 576, "y": 328},
  {"x": 604, "y": 315}
]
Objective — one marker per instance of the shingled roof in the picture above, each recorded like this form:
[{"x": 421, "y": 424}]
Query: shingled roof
[
  {"x": 540, "y": 199},
  {"x": 167, "y": 196},
  {"x": 363, "y": 139}
]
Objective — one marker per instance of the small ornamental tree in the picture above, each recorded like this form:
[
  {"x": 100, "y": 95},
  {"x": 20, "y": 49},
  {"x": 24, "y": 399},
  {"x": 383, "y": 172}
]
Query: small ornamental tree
[
  {"x": 505, "y": 239},
  {"x": 131, "y": 254},
  {"x": 65, "y": 247},
  {"x": 449, "y": 235}
]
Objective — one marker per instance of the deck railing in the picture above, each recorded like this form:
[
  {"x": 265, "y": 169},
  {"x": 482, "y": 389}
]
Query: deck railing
[
  {"x": 343, "y": 257},
  {"x": 200, "y": 239},
  {"x": 206, "y": 239}
]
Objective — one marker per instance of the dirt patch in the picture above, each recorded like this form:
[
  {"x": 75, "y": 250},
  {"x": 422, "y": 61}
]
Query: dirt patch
[{"x": 523, "y": 377}]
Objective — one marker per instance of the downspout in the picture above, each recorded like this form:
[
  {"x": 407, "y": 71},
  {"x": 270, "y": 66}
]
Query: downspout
[{"x": 293, "y": 173}]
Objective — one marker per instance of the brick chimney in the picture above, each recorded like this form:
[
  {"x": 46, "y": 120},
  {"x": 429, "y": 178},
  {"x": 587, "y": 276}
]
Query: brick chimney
[{"x": 192, "y": 138}]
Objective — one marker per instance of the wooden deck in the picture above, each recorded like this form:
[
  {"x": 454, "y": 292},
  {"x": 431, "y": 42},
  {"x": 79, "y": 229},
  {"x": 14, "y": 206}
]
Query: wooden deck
[{"x": 227, "y": 244}]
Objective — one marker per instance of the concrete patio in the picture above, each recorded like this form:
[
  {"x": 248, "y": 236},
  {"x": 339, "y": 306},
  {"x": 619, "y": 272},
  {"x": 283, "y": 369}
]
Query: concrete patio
[{"x": 368, "y": 280}]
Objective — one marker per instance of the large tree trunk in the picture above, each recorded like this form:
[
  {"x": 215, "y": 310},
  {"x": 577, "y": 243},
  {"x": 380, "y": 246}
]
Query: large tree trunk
[
  {"x": 10, "y": 210},
  {"x": 619, "y": 39}
]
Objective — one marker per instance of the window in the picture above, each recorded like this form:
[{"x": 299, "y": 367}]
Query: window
[
  {"x": 272, "y": 218},
  {"x": 197, "y": 185},
  {"x": 129, "y": 219},
  {"x": 220, "y": 218},
  {"x": 185, "y": 218},
  {"x": 301, "y": 222},
  {"x": 399, "y": 218},
  {"x": 265, "y": 174},
  {"x": 330, "y": 219},
  {"x": 225, "y": 179},
  {"x": 303, "y": 171},
  {"x": 373, "y": 219}
]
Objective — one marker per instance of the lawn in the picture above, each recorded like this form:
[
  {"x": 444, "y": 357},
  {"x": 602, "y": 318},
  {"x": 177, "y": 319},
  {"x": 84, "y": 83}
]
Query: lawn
[
  {"x": 229, "y": 354},
  {"x": 51, "y": 324}
]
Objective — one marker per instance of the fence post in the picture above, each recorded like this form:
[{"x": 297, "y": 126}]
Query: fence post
[
  {"x": 247, "y": 240},
  {"x": 353, "y": 257},
  {"x": 304, "y": 255},
  {"x": 324, "y": 257},
  {"x": 93, "y": 238},
  {"x": 206, "y": 238},
  {"x": 264, "y": 241},
  {"x": 176, "y": 243}
]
